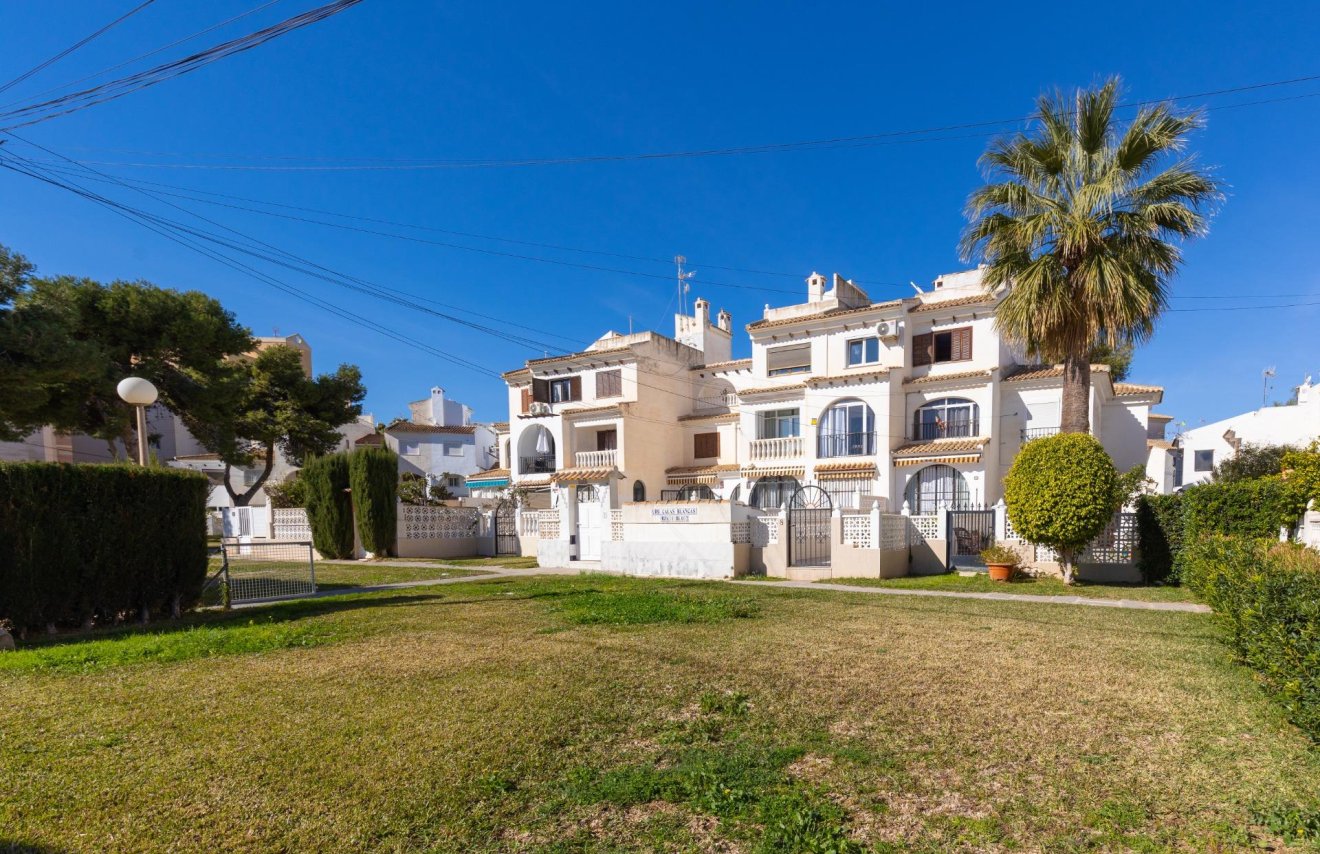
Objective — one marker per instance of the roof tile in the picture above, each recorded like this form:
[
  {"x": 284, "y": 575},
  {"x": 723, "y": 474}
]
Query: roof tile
[{"x": 941, "y": 446}]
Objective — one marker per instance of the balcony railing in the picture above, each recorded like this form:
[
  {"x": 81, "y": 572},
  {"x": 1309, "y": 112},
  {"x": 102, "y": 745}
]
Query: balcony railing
[
  {"x": 596, "y": 459},
  {"x": 930, "y": 430},
  {"x": 537, "y": 464},
  {"x": 722, "y": 400},
  {"x": 846, "y": 444},
  {"x": 787, "y": 448},
  {"x": 1029, "y": 433}
]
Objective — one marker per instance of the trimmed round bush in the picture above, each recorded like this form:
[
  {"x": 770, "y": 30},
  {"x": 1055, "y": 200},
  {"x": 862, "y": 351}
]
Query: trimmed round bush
[
  {"x": 329, "y": 508},
  {"x": 373, "y": 475},
  {"x": 1061, "y": 492}
]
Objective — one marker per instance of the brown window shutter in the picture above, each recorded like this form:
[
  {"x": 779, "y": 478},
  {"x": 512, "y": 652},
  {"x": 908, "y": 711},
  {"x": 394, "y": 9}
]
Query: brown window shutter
[
  {"x": 609, "y": 384},
  {"x": 541, "y": 391},
  {"x": 923, "y": 349},
  {"x": 962, "y": 344},
  {"x": 526, "y": 400},
  {"x": 575, "y": 388},
  {"x": 705, "y": 445}
]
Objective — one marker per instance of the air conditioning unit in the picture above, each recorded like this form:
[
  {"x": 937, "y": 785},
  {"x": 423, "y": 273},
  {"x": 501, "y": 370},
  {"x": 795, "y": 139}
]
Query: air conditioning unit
[
  {"x": 887, "y": 329},
  {"x": 539, "y": 408}
]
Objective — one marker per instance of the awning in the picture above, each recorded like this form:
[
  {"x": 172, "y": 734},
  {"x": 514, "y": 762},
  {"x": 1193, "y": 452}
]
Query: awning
[
  {"x": 686, "y": 475},
  {"x": 922, "y": 461},
  {"x": 845, "y": 471},
  {"x": 486, "y": 483},
  {"x": 585, "y": 475},
  {"x": 774, "y": 471}
]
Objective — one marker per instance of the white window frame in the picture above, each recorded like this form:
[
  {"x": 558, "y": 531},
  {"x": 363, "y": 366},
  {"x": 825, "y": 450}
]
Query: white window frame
[
  {"x": 778, "y": 417},
  {"x": 410, "y": 447},
  {"x": 864, "y": 344},
  {"x": 561, "y": 390}
]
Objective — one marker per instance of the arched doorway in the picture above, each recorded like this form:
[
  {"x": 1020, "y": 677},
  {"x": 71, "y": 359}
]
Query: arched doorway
[
  {"x": 809, "y": 512},
  {"x": 936, "y": 486}
]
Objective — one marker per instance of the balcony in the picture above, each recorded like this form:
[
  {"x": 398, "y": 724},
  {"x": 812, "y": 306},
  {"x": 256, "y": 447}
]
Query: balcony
[
  {"x": 769, "y": 450},
  {"x": 1029, "y": 433},
  {"x": 931, "y": 430},
  {"x": 537, "y": 464},
  {"x": 718, "y": 402},
  {"x": 596, "y": 459},
  {"x": 845, "y": 445}
]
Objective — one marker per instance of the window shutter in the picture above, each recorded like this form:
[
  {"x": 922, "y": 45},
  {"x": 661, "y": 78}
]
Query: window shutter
[
  {"x": 962, "y": 344},
  {"x": 609, "y": 383},
  {"x": 793, "y": 358},
  {"x": 923, "y": 349},
  {"x": 526, "y": 400},
  {"x": 541, "y": 391},
  {"x": 575, "y": 388},
  {"x": 706, "y": 445}
]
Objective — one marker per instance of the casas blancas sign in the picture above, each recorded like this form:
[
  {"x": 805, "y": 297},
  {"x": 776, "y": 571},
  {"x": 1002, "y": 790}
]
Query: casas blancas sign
[{"x": 673, "y": 514}]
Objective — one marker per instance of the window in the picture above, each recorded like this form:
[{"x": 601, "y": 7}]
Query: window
[
  {"x": 705, "y": 445},
  {"x": 561, "y": 390},
  {"x": 453, "y": 449},
  {"x": 847, "y": 429},
  {"x": 934, "y": 486},
  {"x": 410, "y": 447},
  {"x": 639, "y": 491},
  {"x": 863, "y": 351},
  {"x": 778, "y": 424},
  {"x": 557, "y": 391},
  {"x": 1204, "y": 461},
  {"x": 947, "y": 418},
  {"x": 609, "y": 383},
  {"x": 953, "y": 345},
  {"x": 454, "y": 482},
  {"x": 848, "y": 493},
  {"x": 793, "y": 359},
  {"x": 769, "y": 493},
  {"x": 607, "y": 440}
]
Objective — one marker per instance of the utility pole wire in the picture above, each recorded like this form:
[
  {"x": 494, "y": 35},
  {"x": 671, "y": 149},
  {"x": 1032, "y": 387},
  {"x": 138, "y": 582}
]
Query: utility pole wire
[{"x": 70, "y": 49}]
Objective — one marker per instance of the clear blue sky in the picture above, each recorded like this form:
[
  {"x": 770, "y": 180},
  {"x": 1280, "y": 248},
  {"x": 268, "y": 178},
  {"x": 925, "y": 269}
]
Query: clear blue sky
[{"x": 452, "y": 81}]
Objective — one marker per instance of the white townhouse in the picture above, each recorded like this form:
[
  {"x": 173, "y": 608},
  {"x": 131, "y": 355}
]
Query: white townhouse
[
  {"x": 912, "y": 403},
  {"x": 1207, "y": 446},
  {"x": 439, "y": 441}
]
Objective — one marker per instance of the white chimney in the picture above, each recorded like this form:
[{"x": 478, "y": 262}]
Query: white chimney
[{"x": 815, "y": 287}]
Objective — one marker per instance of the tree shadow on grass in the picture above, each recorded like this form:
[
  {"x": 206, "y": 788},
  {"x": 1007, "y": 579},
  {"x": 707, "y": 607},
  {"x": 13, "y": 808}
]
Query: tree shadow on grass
[{"x": 14, "y": 846}]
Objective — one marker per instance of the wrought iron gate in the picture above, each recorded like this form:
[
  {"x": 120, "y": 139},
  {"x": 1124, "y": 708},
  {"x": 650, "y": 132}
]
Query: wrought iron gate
[
  {"x": 809, "y": 512},
  {"x": 970, "y": 531},
  {"x": 506, "y": 528}
]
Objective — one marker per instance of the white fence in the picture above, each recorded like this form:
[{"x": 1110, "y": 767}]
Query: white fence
[
  {"x": 438, "y": 523},
  {"x": 290, "y": 523}
]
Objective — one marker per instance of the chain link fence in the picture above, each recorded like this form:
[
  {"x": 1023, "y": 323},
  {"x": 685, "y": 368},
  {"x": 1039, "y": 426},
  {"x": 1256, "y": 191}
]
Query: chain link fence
[{"x": 255, "y": 572}]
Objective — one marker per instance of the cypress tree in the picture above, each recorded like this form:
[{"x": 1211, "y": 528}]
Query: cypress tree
[
  {"x": 329, "y": 508},
  {"x": 374, "y": 479}
]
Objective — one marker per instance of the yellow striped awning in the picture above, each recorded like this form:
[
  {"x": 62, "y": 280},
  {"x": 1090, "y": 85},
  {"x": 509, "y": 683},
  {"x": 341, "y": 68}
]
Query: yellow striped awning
[
  {"x": 774, "y": 471},
  {"x": 922, "y": 461},
  {"x": 845, "y": 471}
]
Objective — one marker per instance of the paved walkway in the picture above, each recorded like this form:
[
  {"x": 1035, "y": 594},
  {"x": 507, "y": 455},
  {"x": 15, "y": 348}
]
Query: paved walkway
[{"x": 499, "y": 572}]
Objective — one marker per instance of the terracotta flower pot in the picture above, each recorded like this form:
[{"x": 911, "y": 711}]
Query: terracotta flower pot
[{"x": 1000, "y": 571}]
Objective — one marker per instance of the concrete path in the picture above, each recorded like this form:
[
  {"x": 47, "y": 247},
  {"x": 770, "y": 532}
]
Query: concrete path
[{"x": 500, "y": 572}]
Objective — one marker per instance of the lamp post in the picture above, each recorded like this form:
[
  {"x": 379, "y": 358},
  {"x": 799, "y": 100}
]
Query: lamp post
[{"x": 139, "y": 394}]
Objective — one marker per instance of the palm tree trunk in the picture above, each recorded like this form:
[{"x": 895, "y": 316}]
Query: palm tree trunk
[{"x": 1076, "y": 414}]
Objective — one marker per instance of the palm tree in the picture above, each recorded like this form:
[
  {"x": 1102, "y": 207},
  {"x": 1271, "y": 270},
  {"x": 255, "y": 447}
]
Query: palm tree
[{"x": 1083, "y": 221}]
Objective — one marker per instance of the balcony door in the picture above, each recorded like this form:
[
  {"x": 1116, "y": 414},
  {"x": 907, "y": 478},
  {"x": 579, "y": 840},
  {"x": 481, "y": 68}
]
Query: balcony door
[
  {"x": 847, "y": 429},
  {"x": 607, "y": 440}
]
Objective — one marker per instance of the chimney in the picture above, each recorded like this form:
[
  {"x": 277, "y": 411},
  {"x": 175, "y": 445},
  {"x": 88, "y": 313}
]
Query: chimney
[
  {"x": 815, "y": 287},
  {"x": 725, "y": 321},
  {"x": 437, "y": 406},
  {"x": 701, "y": 312}
]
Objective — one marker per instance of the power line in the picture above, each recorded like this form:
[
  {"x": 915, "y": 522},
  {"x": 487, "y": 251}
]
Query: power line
[
  {"x": 861, "y": 140},
  {"x": 71, "y": 48}
]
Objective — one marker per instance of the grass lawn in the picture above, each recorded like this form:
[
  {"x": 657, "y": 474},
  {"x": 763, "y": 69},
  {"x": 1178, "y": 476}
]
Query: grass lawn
[
  {"x": 597, "y": 713},
  {"x": 338, "y": 576},
  {"x": 505, "y": 561},
  {"x": 981, "y": 583}
]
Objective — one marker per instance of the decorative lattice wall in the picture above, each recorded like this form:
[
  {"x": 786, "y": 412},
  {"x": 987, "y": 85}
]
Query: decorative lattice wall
[
  {"x": 290, "y": 523},
  {"x": 1117, "y": 543},
  {"x": 616, "y": 526},
  {"x": 549, "y": 524},
  {"x": 857, "y": 530},
  {"x": 740, "y": 532},
  {"x": 893, "y": 532},
  {"x": 925, "y": 527},
  {"x": 438, "y": 523}
]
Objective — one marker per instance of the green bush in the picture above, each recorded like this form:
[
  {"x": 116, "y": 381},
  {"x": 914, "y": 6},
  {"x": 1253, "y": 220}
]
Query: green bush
[
  {"x": 1242, "y": 508},
  {"x": 1061, "y": 492},
  {"x": 98, "y": 543},
  {"x": 290, "y": 492},
  {"x": 329, "y": 508},
  {"x": 373, "y": 476},
  {"x": 1266, "y": 595},
  {"x": 1160, "y": 538}
]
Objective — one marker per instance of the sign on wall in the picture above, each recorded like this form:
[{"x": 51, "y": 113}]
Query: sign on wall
[{"x": 673, "y": 514}]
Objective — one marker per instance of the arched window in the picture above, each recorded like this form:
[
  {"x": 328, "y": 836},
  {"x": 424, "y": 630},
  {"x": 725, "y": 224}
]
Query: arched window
[
  {"x": 770, "y": 493},
  {"x": 846, "y": 429},
  {"x": 947, "y": 418},
  {"x": 536, "y": 451},
  {"x": 935, "y": 485},
  {"x": 639, "y": 491}
]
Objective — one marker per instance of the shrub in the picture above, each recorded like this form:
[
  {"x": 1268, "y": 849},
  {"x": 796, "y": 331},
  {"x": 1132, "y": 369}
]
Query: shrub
[
  {"x": 1061, "y": 492},
  {"x": 87, "y": 543},
  {"x": 373, "y": 476},
  {"x": 1001, "y": 554},
  {"x": 1243, "y": 508},
  {"x": 1160, "y": 538},
  {"x": 291, "y": 492},
  {"x": 1266, "y": 596},
  {"x": 329, "y": 508}
]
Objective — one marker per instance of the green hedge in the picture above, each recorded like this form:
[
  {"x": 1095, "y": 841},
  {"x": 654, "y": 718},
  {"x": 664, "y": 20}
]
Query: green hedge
[
  {"x": 1267, "y": 597},
  {"x": 329, "y": 508},
  {"x": 98, "y": 543},
  {"x": 1241, "y": 508},
  {"x": 373, "y": 475},
  {"x": 1160, "y": 533}
]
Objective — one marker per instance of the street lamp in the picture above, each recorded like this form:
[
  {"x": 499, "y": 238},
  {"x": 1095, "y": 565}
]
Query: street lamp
[{"x": 140, "y": 394}]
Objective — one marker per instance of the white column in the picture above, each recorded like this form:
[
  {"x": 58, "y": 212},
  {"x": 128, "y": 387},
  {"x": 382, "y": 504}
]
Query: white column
[
  {"x": 1001, "y": 521},
  {"x": 942, "y": 521}
]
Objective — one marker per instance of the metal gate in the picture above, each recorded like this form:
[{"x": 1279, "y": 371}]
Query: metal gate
[
  {"x": 970, "y": 531},
  {"x": 255, "y": 572},
  {"x": 506, "y": 528},
  {"x": 809, "y": 512}
]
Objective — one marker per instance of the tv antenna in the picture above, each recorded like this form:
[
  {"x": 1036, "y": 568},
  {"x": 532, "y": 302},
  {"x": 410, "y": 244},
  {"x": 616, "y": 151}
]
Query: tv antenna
[
  {"x": 683, "y": 286},
  {"x": 1265, "y": 376}
]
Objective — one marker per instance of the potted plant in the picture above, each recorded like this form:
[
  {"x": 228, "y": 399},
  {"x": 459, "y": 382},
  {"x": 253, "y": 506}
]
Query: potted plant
[{"x": 1001, "y": 561}]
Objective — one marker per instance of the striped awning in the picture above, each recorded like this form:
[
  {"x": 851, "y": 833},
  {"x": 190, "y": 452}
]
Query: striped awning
[
  {"x": 845, "y": 471},
  {"x": 774, "y": 471},
  {"x": 585, "y": 475},
  {"x": 486, "y": 483},
  {"x": 685, "y": 475},
  {"x": 923, "y": 461}
]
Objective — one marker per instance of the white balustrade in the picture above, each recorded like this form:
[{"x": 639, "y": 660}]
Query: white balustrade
[
  {"x": 722, "y": 400},
  {"x": 595, "y": 459},
  {"x": 787, "y": 448}
]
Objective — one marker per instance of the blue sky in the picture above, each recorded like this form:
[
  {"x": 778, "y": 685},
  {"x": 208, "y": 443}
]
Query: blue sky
[{"x": 398, "y": 81}]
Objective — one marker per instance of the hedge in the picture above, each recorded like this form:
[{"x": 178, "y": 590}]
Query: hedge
[
  {"x": 85, "y": 544},
  {"x": 1160, "y": 534},
  {"x": 329, "y": 508},
  {"x": 373, "y": 475},
  {"x": 1241, "y": 508},
  {"x": 1267, "y": 598}
]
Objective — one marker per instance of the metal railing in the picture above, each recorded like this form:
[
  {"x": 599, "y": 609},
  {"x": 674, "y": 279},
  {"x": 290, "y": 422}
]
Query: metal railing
[
  {"x": 1029, "y": 433},
  {"x": 787, "y": 448},
  {"x": 537, "y": 464},
  {"x": 845, "y": 444},
  {"x": 596, "y": 459},
  {"x": 947, "y": 430}
]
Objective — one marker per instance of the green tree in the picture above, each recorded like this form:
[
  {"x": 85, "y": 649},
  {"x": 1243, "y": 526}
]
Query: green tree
[
  {"x": 373, "y": 477},
  {"x": 1117, "y": 357},
  {"x": 272, "y": 405},
  {"x": 1252, "y": 461},
  {"x": 1061, "y": 492},
  {"x": 1082, "y": 220},
  {"x": 329, "y": 508}
]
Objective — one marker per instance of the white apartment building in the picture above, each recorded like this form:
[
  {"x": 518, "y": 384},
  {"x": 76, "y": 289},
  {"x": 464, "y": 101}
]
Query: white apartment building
[
  {"x": 1207, "y": 446},
  {"x": 440, "y": 442},
  {"x": 913, "y": 403}
]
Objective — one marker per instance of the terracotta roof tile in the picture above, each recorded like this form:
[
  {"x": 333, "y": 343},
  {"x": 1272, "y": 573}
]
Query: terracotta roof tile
[
  {"x": 1159, "y": 416},
  {"x": 859, "y": 376},
  {"x": 939, "y": 378},
  {"x": 581, "y": 354},
  {"x": 1122, "y": 389},
  {"x": 371, "y": 439},
  {"x": 936, "y": 305},
  {"x": 734, "y": 365},
  {"x": 488, "y": 474},
  {"x": 580, "y": 475},
  {"x": 940, "y": 446},
  {"x": 715, "y": 418},
  {"x": 401, "y": 426},
  {"x": 592, "y": 410},
  {"x": 1023, "y": 373},
  {"x": 500, "y": 426},
  {"x": 690, "y": 470},
  {"x": 772, "y": 389},
  {"x": 822, "y": 315},
  {"x": 1159, "y": 443}
]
